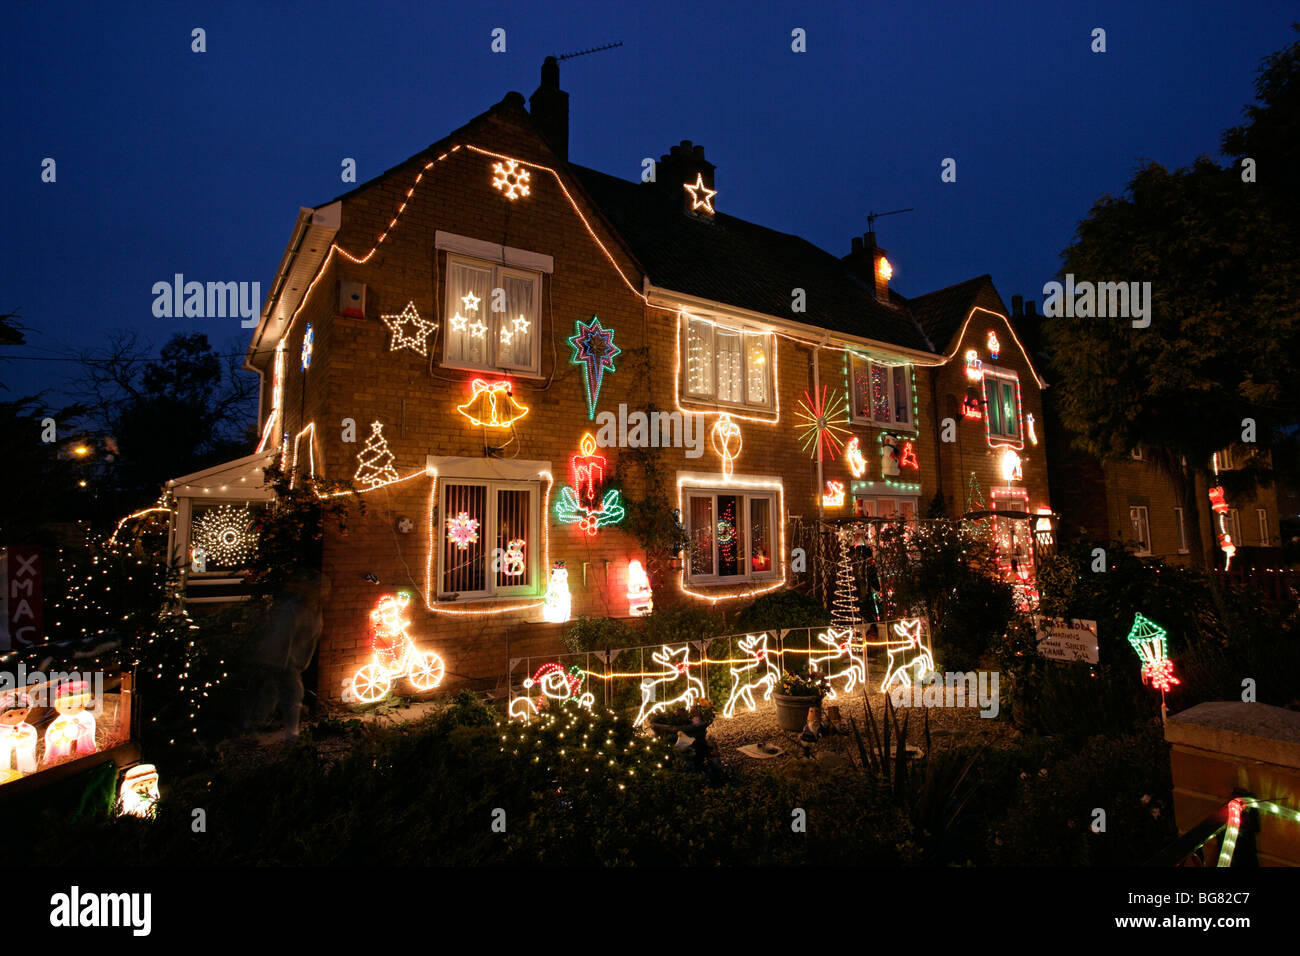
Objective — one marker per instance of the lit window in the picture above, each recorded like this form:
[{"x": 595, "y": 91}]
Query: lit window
[
  {"x": 487, "y": 538},
  {"x": 881, "y": 393},
  {"x": 478, "y": 337},
  {"x": 1002, "y": 406},
  {"x": 1137, "y": 514},
  {"x": 732, "y": 536},
  {"x": 727, "y": 366},
  {"x": 884, "y": 506}
]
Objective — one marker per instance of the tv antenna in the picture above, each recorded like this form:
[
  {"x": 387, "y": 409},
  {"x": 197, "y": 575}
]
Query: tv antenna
[
  {"x": 873, "y": 216},
  {"x": 595, "y": 49}
]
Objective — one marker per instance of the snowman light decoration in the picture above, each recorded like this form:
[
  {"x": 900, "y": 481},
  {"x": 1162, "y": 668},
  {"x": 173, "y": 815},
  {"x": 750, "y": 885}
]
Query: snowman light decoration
[
  {"x": 889, "y": 458},
  {"x": 73, "y": 731},
  {"x": 17, "y": 737}
]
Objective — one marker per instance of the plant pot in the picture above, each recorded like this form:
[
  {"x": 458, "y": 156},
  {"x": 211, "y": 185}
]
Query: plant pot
[
  {"x": 694, "y": 731},
  {"x": 792, "y": 712}
]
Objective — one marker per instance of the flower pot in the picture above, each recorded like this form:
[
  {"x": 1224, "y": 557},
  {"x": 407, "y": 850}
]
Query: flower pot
[
  {"x": 694, "y": 731},
  {"x": 792, "y": 712}
]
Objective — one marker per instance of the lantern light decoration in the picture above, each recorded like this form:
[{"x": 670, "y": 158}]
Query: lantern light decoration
[
  {"x": 823, "y": 422},
  {"x": 640, "y": 599},
  {"x": 557, "y": 605},
  {"x": 834, "y": 495},
  {"x": 993, "y": 345},
  {"x": 73, "y": 731},
  {"x": 726, "y": 440},
  {"x": 578, "y": 503},
  {"x": 854, "y": 458},
  {"x": 974, "y": 367},
  {"x": 1012, "y": 469},
  {"x": 594, "y": 350},
  {"x": 138, "y": 795},
  {"x": 492, "y": 404},
  {"x": 1148, "y": 639}
]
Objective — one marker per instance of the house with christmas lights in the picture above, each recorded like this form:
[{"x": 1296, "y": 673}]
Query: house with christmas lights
[{"x": 491, "y": 341}]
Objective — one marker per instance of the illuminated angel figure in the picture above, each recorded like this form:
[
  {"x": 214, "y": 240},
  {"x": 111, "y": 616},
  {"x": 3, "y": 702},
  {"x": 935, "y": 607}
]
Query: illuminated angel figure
[
  {"x": 825, "y": 418},
  {"x": 907, "y": 657},
  {"x": 677, "y": 666},
  {"x": 853, "y": 455}
]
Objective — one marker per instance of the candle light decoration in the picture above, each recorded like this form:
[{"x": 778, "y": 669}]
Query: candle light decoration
[{"x": 582, "y": 503}]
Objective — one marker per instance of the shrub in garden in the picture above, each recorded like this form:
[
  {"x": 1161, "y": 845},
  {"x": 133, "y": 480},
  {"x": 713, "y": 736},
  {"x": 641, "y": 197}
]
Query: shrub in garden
[{"x": 781, "y": 609}]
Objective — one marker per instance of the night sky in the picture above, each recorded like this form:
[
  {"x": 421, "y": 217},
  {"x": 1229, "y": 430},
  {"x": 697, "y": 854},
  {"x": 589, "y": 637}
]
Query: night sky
[{"x": 173, "y": 161}]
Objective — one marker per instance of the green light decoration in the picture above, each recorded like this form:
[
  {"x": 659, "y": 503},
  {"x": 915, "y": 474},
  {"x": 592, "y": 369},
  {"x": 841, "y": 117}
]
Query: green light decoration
[
  {"x": 593, "y": 349},
  {"x": 568, "y": 510},
  {"x": 1147, "y": 638},
  {"x": 1235, "y": 808}
]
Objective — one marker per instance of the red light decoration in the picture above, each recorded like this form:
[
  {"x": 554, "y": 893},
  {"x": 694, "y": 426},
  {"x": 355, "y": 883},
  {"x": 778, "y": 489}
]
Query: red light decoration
[{"x": 907, "y": 457}]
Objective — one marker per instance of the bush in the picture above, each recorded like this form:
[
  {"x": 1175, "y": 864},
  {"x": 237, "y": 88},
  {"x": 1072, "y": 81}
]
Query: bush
[{"x": 781, "y": 609}]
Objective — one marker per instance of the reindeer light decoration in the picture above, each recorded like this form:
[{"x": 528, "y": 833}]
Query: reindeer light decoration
[
  {"x": 840, "y": 642},
  {"x": 907, "y": 656},
  {"x": 742, "y": 689},
  {"x": 677, "y": 665}
]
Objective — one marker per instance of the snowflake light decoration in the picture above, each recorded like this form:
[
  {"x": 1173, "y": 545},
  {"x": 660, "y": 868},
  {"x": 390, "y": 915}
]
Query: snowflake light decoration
[
  {"x": 511, "y": 179},
  {"x": 225, "y": 534},
  {"x": 824, "y": 418},
  {"x": 409, "y": 330},
  {"x": 593, "y": 349},
  {"x": 462, "y": 530}
]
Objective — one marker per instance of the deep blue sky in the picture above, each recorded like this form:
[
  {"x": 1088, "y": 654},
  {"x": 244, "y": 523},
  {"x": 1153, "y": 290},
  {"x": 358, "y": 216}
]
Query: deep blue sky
[{"x": 171, "y": 161}]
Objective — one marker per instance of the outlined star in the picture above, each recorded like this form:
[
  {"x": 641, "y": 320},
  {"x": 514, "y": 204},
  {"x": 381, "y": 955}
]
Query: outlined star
[
  {"x": 409, "y": 330},
  {"x": 477, "y": 329},
  {"x": 458, "y": 322},
  {"x": 695, "y": 190},
  {"x": 506, "y": 335},
  {"x": 521, "y": 324},
  {"x": 470, "y": 301}
]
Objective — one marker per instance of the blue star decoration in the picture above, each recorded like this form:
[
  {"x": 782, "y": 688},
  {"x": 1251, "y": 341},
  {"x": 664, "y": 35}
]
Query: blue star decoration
[{"x": 593, "y": 349}]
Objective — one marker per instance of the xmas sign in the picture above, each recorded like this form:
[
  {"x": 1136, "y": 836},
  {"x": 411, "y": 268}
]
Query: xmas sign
[
  {"x": 1066, "y": 639},
  {"x": 24, "y": 613}
]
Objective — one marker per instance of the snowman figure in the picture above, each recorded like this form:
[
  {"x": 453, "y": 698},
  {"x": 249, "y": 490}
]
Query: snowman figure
[
  {"x": 73, "y": 731},
  {"x": 17, "y": 737},
  {"x": 889, "y": 459}
]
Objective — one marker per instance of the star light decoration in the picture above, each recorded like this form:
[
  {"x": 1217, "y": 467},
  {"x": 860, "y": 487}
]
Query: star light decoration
[
  {"x": 701, "y": 195},
  {"x": 594, "y": 349},
  {"x": 511, "y": 179},
  {"x": 224, "y": 535},
  {"x": 824, "y": 419},
  {"x": 409, "y": 330}
]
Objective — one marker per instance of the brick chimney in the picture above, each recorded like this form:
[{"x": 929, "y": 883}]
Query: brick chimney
[
  {"x": 686, "y": 173},
  {"x": 549, "y": 107},
  {"x": 867, "y": 261}
]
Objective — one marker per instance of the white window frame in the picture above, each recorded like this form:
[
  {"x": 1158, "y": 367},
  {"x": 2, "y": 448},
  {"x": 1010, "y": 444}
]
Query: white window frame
[
  {"x": 1234, "y": 526},
  {"x": 1136, "y": 514},
  {"x": 1264, "y": 536},
  {"x": 488, "y": 536},
  {"x": 710, "y": 396},
  {"x": 897, "y": 500},
  {"x": 772, "y": 496},
  {"x": 1182, "y": 531},
  {"x": 452, "y": 305},
  {"x": 861, "y": 363}
]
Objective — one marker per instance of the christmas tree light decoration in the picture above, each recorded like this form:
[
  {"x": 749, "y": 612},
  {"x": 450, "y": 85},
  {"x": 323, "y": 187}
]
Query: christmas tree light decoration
[
  {"x": 1029, "y": 426},
  {"x": 594, "y": 350},
  {"x": 840, "y": 643},
  {"x": 726, "y": 440},
  {"x": 677, "y": 666},
  {"x": 824, "y": 420},
  {"x": 1148, "y": 639},
  {"x": 394, "y": 654},
  {"x": 993, "y": 345},
  {"x": 640, "y": 599},
  {"x": 409, "y": 330},
  {"x": 492, "y": 404},
  {"x": 834, "y": 495},
  {"x": 1010, "y": 466},
  {"x": 17, "y": 736},
  {"x": 974, "y": 367},
  {"x": 555, "y": 685},
  {"x": 138, "y": 796},
  {"x": 511, "y": 179},
  {"x": 514, "y": 565},
  {"x": 308, "y": 341},
  {"x": 908, "y": 657},
  {"x": 854, "y": 458},
  {"x": 761, "y": 662},
  {"x": 224, "y": 536},
  {"x": 701, "y": 195},
  {"x": 557, "y": 604},
  {"x": 844, "y": 606},
  {"x": 375, "y": 460},
  {"x": 462, "y": 530},
  {"x": 907, "y": 457},
  {"x": 73, "y": 731}
]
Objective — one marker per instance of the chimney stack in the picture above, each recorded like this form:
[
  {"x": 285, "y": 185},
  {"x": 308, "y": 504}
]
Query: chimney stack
[
  {"x": 867, "y": 261},
  {"x": 549, "y": 107},
  {"x": 685, "y": 172}
]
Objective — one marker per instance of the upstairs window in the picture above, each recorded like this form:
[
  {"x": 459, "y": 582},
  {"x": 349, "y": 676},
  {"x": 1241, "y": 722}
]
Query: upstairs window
[
  {"x": 882, "y": 394},
  {"x": 727, "y": 366},
  {"x": 1002, "y": 407},
  {"x": 475, "y": 336}
]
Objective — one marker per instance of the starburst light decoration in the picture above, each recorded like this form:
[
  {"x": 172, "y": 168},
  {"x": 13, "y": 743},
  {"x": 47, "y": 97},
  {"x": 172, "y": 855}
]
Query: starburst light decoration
[{"x": 824, "y": 419}]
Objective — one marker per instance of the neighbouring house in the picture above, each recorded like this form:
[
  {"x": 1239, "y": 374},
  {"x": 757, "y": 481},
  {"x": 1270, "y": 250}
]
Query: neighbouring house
[
  {"x": 484, "y": 337},
  {"x": 1135, "y": 501}
]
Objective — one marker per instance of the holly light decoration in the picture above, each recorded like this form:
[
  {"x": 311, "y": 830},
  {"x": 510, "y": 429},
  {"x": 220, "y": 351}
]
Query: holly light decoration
[{"x": 582, "y": 503}]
